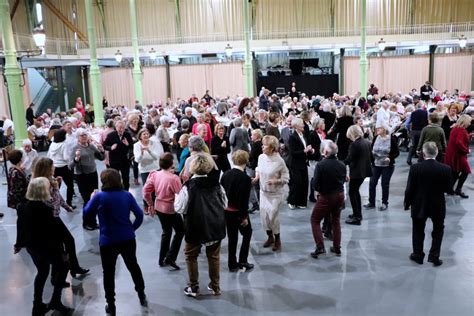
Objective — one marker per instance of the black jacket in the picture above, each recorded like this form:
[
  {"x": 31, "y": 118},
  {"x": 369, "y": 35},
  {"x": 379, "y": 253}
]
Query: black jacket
[
  {"x": 41, "y": 228},
  {"x": 255, "y": 151},
  {"x": 204, "y": 221},
  {"x": 297, "y": 158},
  {"x": 329, "y": 176},
  {"x": 394, "y": 150},
  {"x": 427, "y": 183},
  {"x": 121, "y": 153},
  {"x": 358, "y": 159},
  {"x": 315, "y": 142},
  {"x": 222, "y": 161},
  {"x": 237, "y": 185}
]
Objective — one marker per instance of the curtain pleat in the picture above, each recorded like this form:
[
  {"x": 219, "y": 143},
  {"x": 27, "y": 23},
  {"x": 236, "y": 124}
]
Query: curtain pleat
[{"x": 453, "y": 71}]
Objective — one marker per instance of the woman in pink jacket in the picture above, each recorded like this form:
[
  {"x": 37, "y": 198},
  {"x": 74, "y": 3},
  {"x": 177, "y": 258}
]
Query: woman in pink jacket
[{"x": 165, "y": 184}]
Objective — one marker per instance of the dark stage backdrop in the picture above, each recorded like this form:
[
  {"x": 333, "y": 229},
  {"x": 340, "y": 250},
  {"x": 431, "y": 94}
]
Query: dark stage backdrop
[{"x": 311, "y": 85}]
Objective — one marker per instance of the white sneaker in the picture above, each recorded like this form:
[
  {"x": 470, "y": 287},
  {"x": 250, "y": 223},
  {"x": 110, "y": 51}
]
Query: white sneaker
[{"x": 291, "y": 206}]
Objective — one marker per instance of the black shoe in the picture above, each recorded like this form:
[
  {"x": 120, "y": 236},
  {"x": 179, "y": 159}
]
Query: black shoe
[
  {"x": 191, "y": 291},
  {"x": 318, "y": 252},
  {"x": 336, "y": 250},
  {"x": 60, "y": 308},
  {"x": 39, "y": 309},
  {"x": 312, "y": 199},
  {"x": 409, "y": 163},
  {"x": 353, "y": 221},
  {"x": 72, "y": 206},
  {"x": 162, "y": 263},
  {"x": 461, "y": 194},
  {"x": 90, "y": 227},
  {"x": 172, "y": 264},
  {"x": 435, "y": 261},
  {"x": 383, "y": 207},
  {"x": 65, "y": 284},
  {"x": 254, "y": 208},
  {"x": 416, "y": 258},
  {"x": 234, "y": 269},
  {"x": 1, "y": 215},
  {"x": 369, "y": 206},
  {"x": 80, "y": 272},
  {"x": 246, "y": 266},
  {"x": 110, "y": 309},
  {"x": 142, "y": 298}
]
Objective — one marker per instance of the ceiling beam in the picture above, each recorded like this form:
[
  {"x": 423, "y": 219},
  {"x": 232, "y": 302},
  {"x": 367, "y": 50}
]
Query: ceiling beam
[{"x": 65, "y": 21}]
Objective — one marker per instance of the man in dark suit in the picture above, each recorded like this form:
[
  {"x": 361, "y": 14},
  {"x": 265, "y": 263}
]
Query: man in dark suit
[
  {"x": 299, "y": 150},
  {"x": 119, "y": 143},
  {"x": 427, "y": 183},
  {"x": 416, "y": 122},
  {"x": 426, "y": 91}
]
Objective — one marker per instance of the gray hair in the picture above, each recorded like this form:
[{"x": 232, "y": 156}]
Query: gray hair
[
  {"x": 201, "y": 127},
  {"x": 38, "y": 189},
  {"x": 164, "y": 119},
  {"x": 296, "y": 122},
  {"x": 328, "y": 148},
  {"x": 237, "y": 122},
  {"x": 354, "y": 132},
  {"x": 196, "y": 143},
  {"x": 185, "y": 123},
  {"x": 27, "y": 142},
  {"x": 430, "y": 150},
  {"x": 110, "y": 123},
  {"x": 317, "y": 122}
]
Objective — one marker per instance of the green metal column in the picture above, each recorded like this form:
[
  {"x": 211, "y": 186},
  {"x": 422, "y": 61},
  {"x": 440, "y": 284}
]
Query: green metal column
[
  {"x": 137, "y": 71},
  {"x": 248, "y": 72},
  {"x": 363, "y": 63},
  {"x": 12, "y": 72},
  {"x": 94, "y": 72}
]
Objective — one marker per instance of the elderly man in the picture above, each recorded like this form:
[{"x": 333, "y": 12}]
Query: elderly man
[
  {"x": 239, "y": 137},
  {"x": 427, "y": 183},
  {"x": 188, "y": 114},
  {"x": 328, "y": 182}
]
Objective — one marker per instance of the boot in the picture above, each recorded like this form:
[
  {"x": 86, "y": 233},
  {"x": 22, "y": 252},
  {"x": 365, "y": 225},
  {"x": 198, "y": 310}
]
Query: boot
[
  {"x": 277, "y": 244},
  {"x": 270, "y": 239},
  {"x": 39, "y": 309}
]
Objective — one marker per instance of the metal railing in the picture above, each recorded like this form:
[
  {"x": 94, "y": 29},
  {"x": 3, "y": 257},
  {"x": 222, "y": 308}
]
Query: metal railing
[{"x": 58, "y": 46}]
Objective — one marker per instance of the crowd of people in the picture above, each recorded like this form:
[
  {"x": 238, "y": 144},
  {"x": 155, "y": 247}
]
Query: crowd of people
[{"x": 294, "y": 149}]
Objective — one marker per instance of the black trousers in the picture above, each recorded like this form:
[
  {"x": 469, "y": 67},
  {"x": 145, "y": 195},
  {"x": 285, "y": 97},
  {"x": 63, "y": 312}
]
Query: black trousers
[
  {"x": 415, "y": 138},
  {"x": 460, "y": 177},
  {"x": 170, "y": 222},
  {"x": 87, "y": 183},
  {"x": 68, "y": 177},
  {"x": 354, "y": 196},
  {"x": 233, "y": 223},
  {"x": 69, "y": 244},
  {"x": 418, "y": 237},
  {"x": 43, "y": 258},
  {"x": 298, "y": 187},
  {"x": 135, "y": 170},
  {"x": 20, "y": 226},
  {"x": 108, "y": 256},
  {"x": 124, "y": 169}
]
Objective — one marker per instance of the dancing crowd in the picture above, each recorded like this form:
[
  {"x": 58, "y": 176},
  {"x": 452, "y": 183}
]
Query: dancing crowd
[{"x": 283, "y": 150}]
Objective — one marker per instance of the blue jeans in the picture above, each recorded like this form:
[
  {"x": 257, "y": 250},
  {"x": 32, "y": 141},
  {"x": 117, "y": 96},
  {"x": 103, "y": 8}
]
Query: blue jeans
[{"x": 386, "y": 174}]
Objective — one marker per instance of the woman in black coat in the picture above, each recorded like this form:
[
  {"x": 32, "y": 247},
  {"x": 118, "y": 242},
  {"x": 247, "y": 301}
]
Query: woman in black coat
[
  {"x": 44, "y": 243},
  {"x": 339, "y": 131},
  {"x": 220, "y": 147},
  {"x": 360, "y": 168}
]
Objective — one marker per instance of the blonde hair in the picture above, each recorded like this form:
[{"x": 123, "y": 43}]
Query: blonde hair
[
  {"x": 346, "y": 111},
  {"x": 272, "y": 142},
  {"x": 201, "y": 164},
  {"x": 354, "y": 132},
  {"x": 240, "y": 157},
  {"x": 217, "y": 127},
  {"x": 38, "y": 189},
  {"x": 132, "y": 117},
  {"x": 464, "y": 121},
  {"x": 258, "y": 132}
]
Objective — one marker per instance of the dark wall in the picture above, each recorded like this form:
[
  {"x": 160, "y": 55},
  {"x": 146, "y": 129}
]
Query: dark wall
[
  {"x": 73, "y": 83},
  {"x": 311, "y": 85}
]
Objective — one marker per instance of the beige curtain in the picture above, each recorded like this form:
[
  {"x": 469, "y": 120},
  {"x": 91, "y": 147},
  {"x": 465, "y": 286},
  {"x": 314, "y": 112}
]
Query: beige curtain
[
  {"x": 395, "y": 74},
  {"x": 117, "y": 86},
  {"x": 453, "y": 71},
  {"x": 154, "y": 84},
  {"x": 221, "y": 80}
]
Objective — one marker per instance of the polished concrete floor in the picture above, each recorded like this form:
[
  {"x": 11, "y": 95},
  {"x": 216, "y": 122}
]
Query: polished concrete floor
[{"x": 372, "y": 277}]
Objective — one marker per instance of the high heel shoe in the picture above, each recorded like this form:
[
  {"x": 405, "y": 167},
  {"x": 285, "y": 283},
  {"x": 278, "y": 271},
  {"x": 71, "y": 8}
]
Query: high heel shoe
[{"x": 80, "y": 272}]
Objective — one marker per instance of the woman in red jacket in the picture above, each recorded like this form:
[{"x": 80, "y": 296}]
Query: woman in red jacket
[{"x": 457, "y": 151}]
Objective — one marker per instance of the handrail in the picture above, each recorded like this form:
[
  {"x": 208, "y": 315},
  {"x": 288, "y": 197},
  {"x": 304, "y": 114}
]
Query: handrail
[
  {"x": 61, "y": 46},
  {"x": 40, "y": 95}
]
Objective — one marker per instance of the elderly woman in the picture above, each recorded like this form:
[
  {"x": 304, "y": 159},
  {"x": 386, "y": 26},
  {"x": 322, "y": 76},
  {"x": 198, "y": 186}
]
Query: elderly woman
[
  {"x": 133, "y": 127},
  {"x": 237, "y": 186},
  {"x": 162, "y": 133},
  {"x": 147, "y": 153},
  {"x": 449, "y": 120},
  {"x": 358, "y": 160},
  {"x": 201, "y": 119},
  {"x": 44, "y": 167},
  {"x": 339, "y": 131},
  {"x": 255, "y": 152},
  {"x": 165, "y": 184},
  {"x": 43, "y": 241},
  {"x": 316, "y": 136},
  {"x": 29, "y": 156},
  {"x": 433, "y": 133},
  {"x": 196, "y": 145},
  {"x": 239, "y": 137},
  {"x": 113, "y": 205},
  {"x": 273, "y": 177},
  {"x": 183, "y": 144},
  {"x": 17, "y": 186},
  {"x": 202, "y": 200},
  {"x": 220, "y": 147},
  {"x": 58, "y": 153},
  {"x": 109, "y": 127},
  {"x": 85, "y": 170},
  {"x": 457, "y": 151},
  {"x": 299, "y": 152},
  {"x": 384, "y": 151}
]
